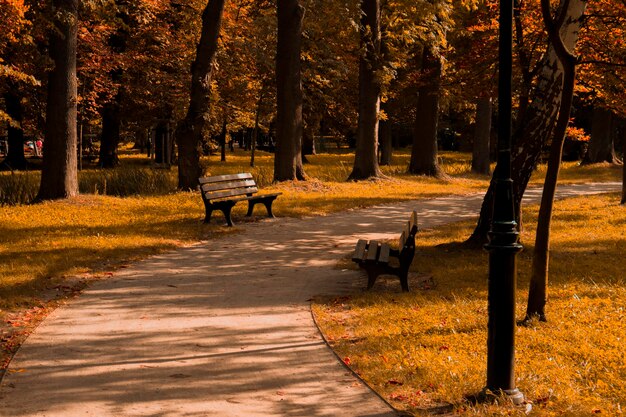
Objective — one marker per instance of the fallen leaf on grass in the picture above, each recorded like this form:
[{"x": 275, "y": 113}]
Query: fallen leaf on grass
[
  {"x": 398, "y": 397},
  {"x": 394, "y": 382}
]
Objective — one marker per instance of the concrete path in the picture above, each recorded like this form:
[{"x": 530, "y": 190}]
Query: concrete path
[{"x": 221, "y": 328}]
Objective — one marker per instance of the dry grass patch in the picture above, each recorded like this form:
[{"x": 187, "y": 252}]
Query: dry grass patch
[{"x": 428, "y": 347}]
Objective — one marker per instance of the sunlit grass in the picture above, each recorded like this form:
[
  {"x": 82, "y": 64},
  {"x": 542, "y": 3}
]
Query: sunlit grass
[
  {"x": 428, "y": 347},
  {"x": 43, "y": 242}
]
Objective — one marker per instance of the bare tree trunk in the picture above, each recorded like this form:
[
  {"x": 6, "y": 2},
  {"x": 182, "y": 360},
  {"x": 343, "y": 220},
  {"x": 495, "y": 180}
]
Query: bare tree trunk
[
  {"x": 482, "y": 137},
  {"x": 223, "y": 141},
  {"x": 59, "y": 175},
  {"x": 386, "y": 147},
  {"x": 15, "y": 158},
  {"x": 624, "y": 167},
  {"x": 366, "y": 155},
  {"x": 190, "y": 130},
  {"x": 308, "y": 136},
  {"x": 255, "y": 132},
  {"x": 538, "y": 292},
  {"x": 541, "y": 116},
  {"x": 287, "y": 158},
  {"x": 601, "y": 148},
  {"x": 424, "y": 151},
  {"x": 110, "y": 138}
]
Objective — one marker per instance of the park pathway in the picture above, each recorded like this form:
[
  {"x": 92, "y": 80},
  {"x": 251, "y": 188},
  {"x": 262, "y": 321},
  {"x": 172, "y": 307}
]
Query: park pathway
[{"x": 220, "y": 328}]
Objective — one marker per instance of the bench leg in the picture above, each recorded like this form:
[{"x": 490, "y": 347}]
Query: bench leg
[
  {"x": 268, "y": 206},
  {"x": 404, "y": 280},
  {"x": 250, "y": 208},
  {"x": 371, "y": 278},
  {"x": 207, "y": 217},
  {"x": 226, "y": 210}
]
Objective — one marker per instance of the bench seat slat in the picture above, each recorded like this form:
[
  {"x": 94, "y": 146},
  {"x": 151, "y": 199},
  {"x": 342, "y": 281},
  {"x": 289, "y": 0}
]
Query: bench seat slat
[
  {"x": 372, "y": 251},
  {"x": 359, "y": 251},
  {"x": 227, "y": 185},
  {"x": 221, "y": 178},
  {"x": 222, "y": 192},
  {"x": 383, "y": 256},
  {"x": 374, "y": 257}
]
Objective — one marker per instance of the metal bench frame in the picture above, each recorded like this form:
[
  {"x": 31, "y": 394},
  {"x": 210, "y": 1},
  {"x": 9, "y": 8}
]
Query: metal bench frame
[
  {"x": 222, "y": 192},
  {"x": 375, "y": 257}
]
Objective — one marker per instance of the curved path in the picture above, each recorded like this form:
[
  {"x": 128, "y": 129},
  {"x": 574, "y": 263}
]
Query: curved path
[{"x": 220, "y": 328}]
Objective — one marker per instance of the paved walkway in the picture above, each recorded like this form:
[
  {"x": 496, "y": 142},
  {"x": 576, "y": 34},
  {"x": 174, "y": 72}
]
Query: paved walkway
[{"x": 221, "y": 328}]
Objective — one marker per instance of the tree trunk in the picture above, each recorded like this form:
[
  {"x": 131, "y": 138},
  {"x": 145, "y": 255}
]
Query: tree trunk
[
  {"x": 308, "y": 138},
  {"x": 59, "y": 174},
  {"x": 110, "y": 138},
  {"x": 482, "y": 137},
  {"x": 141, "y": 139},
  {"x": 624, "y": 167},
  {"x": 15, "y": 159},
  {"x": 386, "y": 147},
  {"x": 190, "y": 129},
  {"x": 424, "y": 151},
  {"x": 223, "y": 134},
  {"x": 366, "y": 155},
  {"x": 255, "y": 133},
  {"x": 538, "y": 292},
  {"x": 601, "y": 148},
  {"x": 541, "y": 116},
  {"x": 287, "y": 157}
]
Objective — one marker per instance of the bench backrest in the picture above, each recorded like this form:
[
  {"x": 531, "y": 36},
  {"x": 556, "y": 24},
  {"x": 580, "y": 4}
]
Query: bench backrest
[
  {"x": 410, "y": 232},
  {"x": 407, "y": 242},
  {"x": 224, "y": 186}
]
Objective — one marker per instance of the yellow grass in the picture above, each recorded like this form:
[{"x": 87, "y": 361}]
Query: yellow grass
[
  {"x": 428, "y": 347},
  {"x": 43, "y": 242},
  {"x": 39, "y": 243}
]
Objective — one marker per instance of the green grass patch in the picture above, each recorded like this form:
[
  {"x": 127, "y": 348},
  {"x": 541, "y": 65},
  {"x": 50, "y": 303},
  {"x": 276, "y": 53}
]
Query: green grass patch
[{"x": 428, "y": 347}]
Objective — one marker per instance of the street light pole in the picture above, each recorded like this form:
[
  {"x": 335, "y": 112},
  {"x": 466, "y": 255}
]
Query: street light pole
[{"x": 503, "y": 243}]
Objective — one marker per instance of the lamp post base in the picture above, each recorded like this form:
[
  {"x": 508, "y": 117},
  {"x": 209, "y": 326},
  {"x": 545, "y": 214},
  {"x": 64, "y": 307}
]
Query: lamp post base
[{"x": 514, "y": 396}]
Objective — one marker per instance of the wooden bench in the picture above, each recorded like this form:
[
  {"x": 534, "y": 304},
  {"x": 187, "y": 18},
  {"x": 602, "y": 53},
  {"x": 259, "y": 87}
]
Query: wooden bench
[
  {"x": 375, "y": 257},
  {"x": 222, "y": 192}
]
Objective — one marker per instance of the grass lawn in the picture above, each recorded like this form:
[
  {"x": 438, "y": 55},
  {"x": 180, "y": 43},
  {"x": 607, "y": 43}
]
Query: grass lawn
[
  {"x": 428, "y": 347},
  {"x": 42, "y": 245}
]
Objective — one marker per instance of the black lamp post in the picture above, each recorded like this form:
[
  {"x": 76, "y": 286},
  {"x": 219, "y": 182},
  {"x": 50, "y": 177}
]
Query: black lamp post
[{"x": 503, "y": 243}]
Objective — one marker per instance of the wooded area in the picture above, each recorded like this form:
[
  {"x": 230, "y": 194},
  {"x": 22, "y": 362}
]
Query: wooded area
[
  {"x": 357, "y": 84},
  {"x": 428, "y": 63}
]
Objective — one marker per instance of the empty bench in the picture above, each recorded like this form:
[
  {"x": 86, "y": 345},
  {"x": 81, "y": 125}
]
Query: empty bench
[
  {"x": 376, "y": 257},
  {"x": 222, "y": 192}
]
